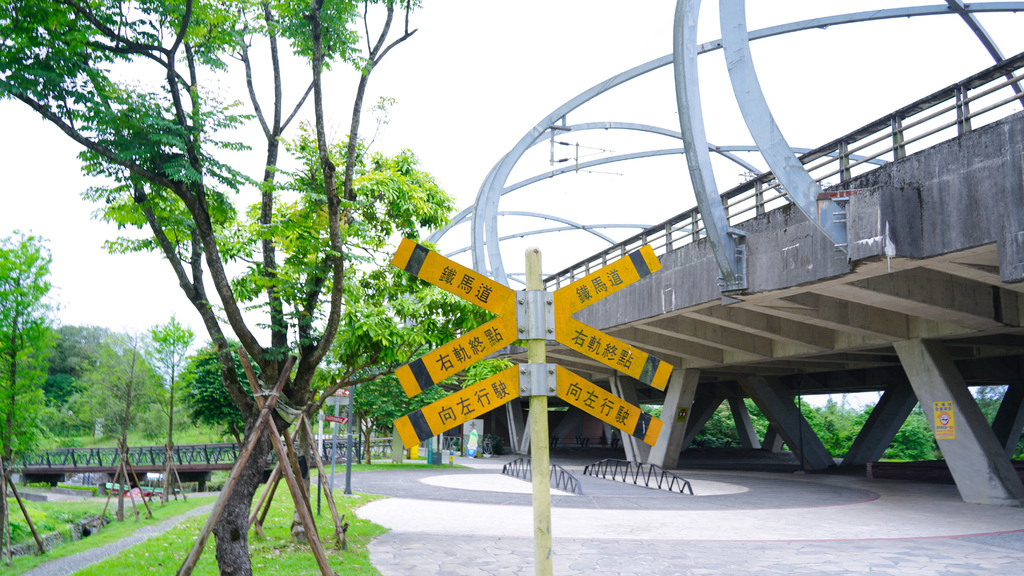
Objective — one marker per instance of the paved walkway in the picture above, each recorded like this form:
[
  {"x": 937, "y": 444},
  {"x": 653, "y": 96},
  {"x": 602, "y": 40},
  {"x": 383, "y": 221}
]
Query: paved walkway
[{"x": 476, "y": 522}]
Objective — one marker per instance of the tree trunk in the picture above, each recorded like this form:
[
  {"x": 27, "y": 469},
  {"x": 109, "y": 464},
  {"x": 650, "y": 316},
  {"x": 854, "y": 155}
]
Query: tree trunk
[{"x": 232, "y": 528}]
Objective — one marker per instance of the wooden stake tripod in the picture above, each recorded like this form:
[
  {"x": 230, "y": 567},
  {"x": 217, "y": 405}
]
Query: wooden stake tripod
[
  {"x": 263, "y": 421},
  {"x": 259, "y": 514},
  {"x": 124, "y": 465},
  {"x": 169, "y": 467}
]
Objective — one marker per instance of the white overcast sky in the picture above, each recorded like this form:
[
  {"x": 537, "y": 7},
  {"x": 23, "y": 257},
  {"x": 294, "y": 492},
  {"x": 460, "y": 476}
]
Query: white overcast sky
[{"x": 477, "y": 76}]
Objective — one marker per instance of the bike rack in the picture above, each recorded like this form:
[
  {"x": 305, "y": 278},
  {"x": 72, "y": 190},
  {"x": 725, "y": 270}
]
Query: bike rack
[
  {"x": 561, "y": 478},
  {"x": 663, "y": 479}
]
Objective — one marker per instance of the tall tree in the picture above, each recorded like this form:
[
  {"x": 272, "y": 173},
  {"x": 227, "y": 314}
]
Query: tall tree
[
  {"x": 121, "y": 388},
  {"x": 24, "y": 328},
  {"x": 24, "y": 336},
  {"x": 171, "y": 342},
  {"x": 130, "y": 82}
]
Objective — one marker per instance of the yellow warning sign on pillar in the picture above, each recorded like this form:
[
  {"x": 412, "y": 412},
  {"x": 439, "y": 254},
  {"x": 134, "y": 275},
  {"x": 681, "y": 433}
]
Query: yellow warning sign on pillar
[{"x": 945, "y": 425}]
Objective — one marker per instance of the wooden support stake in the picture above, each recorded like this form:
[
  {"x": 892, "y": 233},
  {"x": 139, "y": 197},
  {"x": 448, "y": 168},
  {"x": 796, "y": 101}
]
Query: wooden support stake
[
  {"x": 128, "y": 465},
  {"x": 117, "y": 474},
  {"x": 128, "y": 481},
  {"x": 261, "y": 422},
  {"x": 339, "y": 532},
  {"x": 268, "y": 492},
  {"x": 24, "y": 512},
  {"x": 270, "y": 501},
  {"x": 296, "y": 487}
]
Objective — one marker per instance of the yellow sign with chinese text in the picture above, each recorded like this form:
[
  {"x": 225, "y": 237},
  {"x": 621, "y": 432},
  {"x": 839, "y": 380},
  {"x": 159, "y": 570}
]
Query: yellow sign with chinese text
[
  {"x": 459, "y": 407},
  {"x": 607, "y": 407},
  {"x": 594, "y": 343}
]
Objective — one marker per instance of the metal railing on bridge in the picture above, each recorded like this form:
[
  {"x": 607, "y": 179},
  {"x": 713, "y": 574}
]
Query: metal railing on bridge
[
  {"x": 945, "y": 114},
  {"x": 625, "y": 471},
  {"x": 561, "y": 479},
  {"x": 185, "y": 455}
]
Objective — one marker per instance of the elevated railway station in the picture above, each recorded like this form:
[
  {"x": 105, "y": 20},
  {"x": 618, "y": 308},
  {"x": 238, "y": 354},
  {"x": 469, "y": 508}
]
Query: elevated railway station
[{"x": 889, "y": 260}]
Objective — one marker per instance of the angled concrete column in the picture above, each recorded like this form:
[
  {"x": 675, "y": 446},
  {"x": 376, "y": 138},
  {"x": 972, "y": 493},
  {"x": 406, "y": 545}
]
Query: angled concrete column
[
  {"x": 524, "y": 442},
  {"x": 744, "y": 427},
  {"x": 772, "y": 441},
  {"x": 682, "y": 386},
  {"x": 704, "y": 406},
  {"x": 572, "y": 417},
  {"x": 882, "y": 425},
  {"x": 980, "y": 467},
  {"x": 516, "y": 426},
  {"x": 1009, "y": 420},
  {"x": 777, "y": 405},
  {"x": 636, "y": 450}
]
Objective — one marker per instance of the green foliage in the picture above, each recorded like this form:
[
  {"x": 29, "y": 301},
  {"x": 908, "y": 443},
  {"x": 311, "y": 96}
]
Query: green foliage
[
  {"x": 75, "y": 351},
  {"x": 122, "y": 387},
  {"x": 203, "y": 392},
  {"x": 915, "y": 439},
  {"x": 24, "y": 340}
]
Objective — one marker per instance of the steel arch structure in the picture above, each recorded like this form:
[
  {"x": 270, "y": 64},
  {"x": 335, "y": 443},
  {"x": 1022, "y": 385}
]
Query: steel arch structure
[{"x": 483, "y": 215}]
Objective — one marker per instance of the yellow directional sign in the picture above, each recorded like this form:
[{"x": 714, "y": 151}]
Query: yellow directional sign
[
  {"x": 453, "y": 357},
  {"x": 470, "y": 285},
  {"x": 453, "y": 277},
  {"x": 607, "y": 407},
  {"x": 595, "y": 344},
  {"x": 457, "y": 408}
]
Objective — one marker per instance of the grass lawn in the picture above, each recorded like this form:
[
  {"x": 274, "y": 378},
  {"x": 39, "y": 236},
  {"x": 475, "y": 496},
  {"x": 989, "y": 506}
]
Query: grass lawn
[
  {"x": 273, "y": 555},
  {"x": 51, "y": 513}
]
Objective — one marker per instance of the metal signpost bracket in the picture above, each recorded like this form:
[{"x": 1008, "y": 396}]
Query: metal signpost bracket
[
  {"x": 537, "y": 379},
  {"x": 535, "y": 315}
]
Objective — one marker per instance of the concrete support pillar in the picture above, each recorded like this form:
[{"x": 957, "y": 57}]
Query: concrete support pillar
[
  {"x": 772, "y": 441},
  {"x": 516, "y": 426},
  {"x": 524, "y": 442},
  {"x": 777, "y": 405},
  {"x": 572, "y": 417},
  {"x": 978, "y": 462},
  {"x": 744, "y": 427},
  {"x": 636, "y": 450},
  {"x": 1009, "y": 420},
  {"x": 679, "y": 393},
  {"x": 704, "y": 405},
  {"x": 885, "y": 420}
]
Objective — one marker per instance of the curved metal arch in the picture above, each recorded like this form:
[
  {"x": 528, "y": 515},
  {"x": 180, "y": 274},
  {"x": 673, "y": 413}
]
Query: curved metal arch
[
  {"x": 802, "y": 188},
  {"x": 486, "y": 252},
  {"x": 569, "y": 223}
]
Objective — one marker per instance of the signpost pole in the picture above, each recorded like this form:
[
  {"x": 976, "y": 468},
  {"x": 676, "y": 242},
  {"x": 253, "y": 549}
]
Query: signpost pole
[
  {"x": 334, "y": 442},
  {"x": 540, "y": 461},
  {"x": 348, "y": 443}
]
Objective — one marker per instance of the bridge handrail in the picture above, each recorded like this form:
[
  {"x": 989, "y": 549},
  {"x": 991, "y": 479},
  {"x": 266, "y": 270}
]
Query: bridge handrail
[
  {"x": 923, "y": 122},
  {"x": 663, "y": 479},
  {"x": 138, "y": 456}
]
